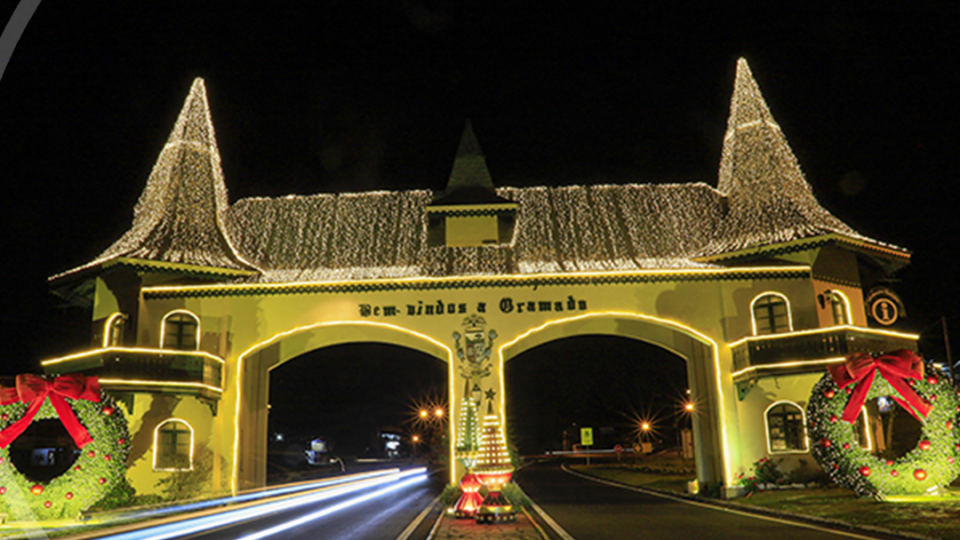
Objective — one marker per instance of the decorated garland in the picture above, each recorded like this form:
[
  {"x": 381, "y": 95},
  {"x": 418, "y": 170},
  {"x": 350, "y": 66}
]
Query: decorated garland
[
  {"x": 837, "y": 400},
  {"x": 97, "y": 427}
]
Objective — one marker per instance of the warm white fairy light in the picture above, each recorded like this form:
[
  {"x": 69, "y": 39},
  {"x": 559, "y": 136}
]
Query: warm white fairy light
[
  {"x": 180, "y": 215},
  {"x": 493, "y": 456},
  {"x": 770, "y": 201},
  {"x": 468, "y": 432},
  {"x": 762, "y": 199}
]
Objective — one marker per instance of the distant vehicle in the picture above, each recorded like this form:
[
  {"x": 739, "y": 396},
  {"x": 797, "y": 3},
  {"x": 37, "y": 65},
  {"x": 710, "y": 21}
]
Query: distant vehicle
[{"x": 319, "y": 455}]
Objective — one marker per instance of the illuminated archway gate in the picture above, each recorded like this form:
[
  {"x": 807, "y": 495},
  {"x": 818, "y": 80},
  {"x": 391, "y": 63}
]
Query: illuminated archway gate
[
  {"x": 483, "y": 322},
  {"x": 474, "y": 275}
]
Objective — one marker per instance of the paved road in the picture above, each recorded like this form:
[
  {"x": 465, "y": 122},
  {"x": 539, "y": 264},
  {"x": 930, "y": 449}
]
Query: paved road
[
  {"x": 592, "y": 511},
  {"x": 381, "y": 518}
]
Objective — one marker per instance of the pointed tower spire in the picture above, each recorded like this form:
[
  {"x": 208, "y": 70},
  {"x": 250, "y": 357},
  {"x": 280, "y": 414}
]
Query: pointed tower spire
[
  {"x": 470, "y": 166},
  {"x": 470, "y": 181},
  {"x": 180, "y": 215},
  {"x": 769, "y": 197}
]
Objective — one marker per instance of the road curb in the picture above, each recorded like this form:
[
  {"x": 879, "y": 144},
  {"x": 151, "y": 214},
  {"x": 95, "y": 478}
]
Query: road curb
[{"x": 748, "y": 509}]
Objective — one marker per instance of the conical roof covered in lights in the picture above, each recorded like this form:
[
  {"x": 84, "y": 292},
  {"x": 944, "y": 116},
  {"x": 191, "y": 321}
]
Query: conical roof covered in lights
[
  {"x": 769, "y": 198},
  {"x": 179, "y": 217}
]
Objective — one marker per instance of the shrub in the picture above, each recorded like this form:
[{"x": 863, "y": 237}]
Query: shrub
[
  {"x": 451, "y": 494},
  {"x": 515, "y": 495},
  {"x": 765, "y": 471}
]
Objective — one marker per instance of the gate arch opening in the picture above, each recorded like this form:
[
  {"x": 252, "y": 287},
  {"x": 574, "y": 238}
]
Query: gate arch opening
[
  {"x": 703, "y": 367},
  {"x": 610, "y": 383},
  {"x": 252, "y": 381},
  {"x": 340, "y": 401}
]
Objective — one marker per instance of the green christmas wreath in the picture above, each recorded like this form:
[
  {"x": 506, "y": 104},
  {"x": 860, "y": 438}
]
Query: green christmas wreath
[
  {"x": 837, "y": 400},
  {"x": 101, "y": 438}
]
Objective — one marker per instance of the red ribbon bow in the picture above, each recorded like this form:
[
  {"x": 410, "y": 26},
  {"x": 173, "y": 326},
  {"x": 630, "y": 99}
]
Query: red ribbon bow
[
  {"x": 34, "y": 389},
  {"x": 895, "y": 367}
]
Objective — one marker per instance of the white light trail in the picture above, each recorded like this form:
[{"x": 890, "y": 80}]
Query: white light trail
[
  {"x": 205, "y": 523},
  {"x": 335, "y": 508},
  {"x": 252, "y": 496}
]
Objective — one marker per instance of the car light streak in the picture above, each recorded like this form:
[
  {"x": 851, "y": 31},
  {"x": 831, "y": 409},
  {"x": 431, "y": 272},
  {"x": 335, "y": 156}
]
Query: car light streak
[
  {"x": 230, "y": 517},
  {"x": 335, "y": 508},
  {"x": 252, "y": 496}
]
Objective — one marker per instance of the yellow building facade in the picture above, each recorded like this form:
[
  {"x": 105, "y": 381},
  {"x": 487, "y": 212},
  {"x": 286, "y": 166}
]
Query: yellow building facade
[{"x": 752, "y": 283}]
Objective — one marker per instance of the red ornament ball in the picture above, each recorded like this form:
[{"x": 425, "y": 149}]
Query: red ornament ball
[
  {"x": 68, "y": 496},
  {"x": 865, "y": 471},
  {"x": 830, "y": 393},
  {"x": 108, "y": 410},
  {"x": 848, "y": 390},
  {"x": 77, "y": 468},
  {"x": 894, "y": 473},
  {"x": 825, "y": 443},
  {"x": 102, "y": 480},
  {"x": 846, "y": 446},
  {"x": 932, "y": 379},
  {"x": 950, "y": 460},
  {"x": 889, "y": 462},
  {"x": 37, "y": 489},
  {"x": 920, "y": 474},
  {"x": 121, "y": 440},
  {"x": 107, "y": 457},
  {"x": 47, "y": 504},
  {"x": 833, "y": 418},
  {"x": 4, "y": 416},
  {"x": 91, "y": 453},
  {"x": 925, "y": 444},
  {"x": 933, "y": 397},
  {"x": 3, "y": 491},
  {"x": 1, "y": 459},
  {"x": 949, "y": 425}
]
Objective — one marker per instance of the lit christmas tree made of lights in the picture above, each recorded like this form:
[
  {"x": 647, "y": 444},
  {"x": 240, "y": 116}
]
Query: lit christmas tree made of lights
[
  {"x": 468, "y": 432},
  {"x": 493, "y": 458}
]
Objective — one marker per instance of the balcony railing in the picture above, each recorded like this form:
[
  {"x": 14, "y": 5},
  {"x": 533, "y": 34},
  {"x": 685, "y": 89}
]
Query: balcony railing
[
  {"x": 808, "y": 346},
  {"x": 140, "y": 369}
]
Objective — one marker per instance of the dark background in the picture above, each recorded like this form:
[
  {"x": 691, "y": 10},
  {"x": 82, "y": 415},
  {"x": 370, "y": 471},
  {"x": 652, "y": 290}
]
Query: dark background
[{"x": 358, "y": 95}]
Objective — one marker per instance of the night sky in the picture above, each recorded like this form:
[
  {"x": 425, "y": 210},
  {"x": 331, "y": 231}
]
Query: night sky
[{"x": 356, "y": 95}]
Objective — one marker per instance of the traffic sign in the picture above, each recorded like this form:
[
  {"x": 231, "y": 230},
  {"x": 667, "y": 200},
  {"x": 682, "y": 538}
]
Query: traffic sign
[
  {"x": 586, "y": 436},
  {"x": 618, "y": 449}
]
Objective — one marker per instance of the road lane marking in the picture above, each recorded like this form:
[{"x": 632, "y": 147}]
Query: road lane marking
[
  {"x": 553, "y": 524},
  {"x": 543, "y": 533},
  {"x": 436, "y": 525},
  {"x": 718, "y": 508},
  {"x": 416, "y": 522}
]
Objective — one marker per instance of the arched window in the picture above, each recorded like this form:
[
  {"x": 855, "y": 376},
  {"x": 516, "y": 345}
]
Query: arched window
[
  {"x": 113, "y": 330},
  {"x": 785, "y": 428},
  {"x": 839, "y": 307},
  {"x": 173, "y": 446},
  {"x": 180, "y": 331},
  {"x": 771, "y": 314}
]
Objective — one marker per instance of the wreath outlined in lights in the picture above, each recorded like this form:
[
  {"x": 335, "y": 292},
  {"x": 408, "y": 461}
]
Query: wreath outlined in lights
[
  {"x": 100, "y": 466},
  {"x": 933, "y": 463}
]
